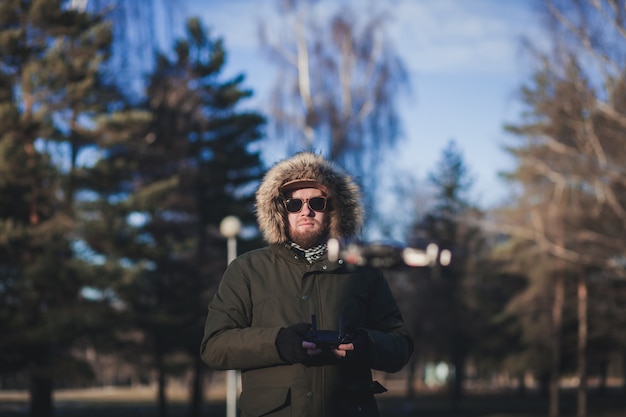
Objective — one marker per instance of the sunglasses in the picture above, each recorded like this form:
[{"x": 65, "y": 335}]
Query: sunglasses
[{"x": 294, "y": 205}]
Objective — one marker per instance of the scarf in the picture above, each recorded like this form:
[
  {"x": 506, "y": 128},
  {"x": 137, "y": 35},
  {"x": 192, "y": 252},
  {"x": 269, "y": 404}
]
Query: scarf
[{"x": 311, "y": 254}]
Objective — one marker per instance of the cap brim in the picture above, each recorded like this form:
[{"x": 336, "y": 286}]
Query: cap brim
[{"x": 301, "y": 183}]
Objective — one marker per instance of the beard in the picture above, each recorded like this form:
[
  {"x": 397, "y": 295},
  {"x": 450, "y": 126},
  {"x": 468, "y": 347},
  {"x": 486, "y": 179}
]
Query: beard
[{"x": 309, "y": 238}]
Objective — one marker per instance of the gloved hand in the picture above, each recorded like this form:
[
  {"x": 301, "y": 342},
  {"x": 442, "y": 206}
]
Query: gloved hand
[
  {"x": 362, "y": 346},
  {"x": 289, "y": 343}
]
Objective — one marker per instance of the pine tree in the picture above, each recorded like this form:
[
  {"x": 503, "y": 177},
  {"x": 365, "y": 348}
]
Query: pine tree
[
  {"x": 195, "y": 166},
  {"x": 51, "y": 56},
  {"x": 449, "y": 328}
]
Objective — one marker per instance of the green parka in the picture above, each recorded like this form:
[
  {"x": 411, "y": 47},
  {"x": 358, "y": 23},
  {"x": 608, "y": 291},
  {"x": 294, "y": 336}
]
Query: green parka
[{"x": 267, "y": 289}]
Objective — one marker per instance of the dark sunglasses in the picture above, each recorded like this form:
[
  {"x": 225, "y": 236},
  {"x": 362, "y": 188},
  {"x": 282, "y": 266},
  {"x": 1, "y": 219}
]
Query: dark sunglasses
[{"x": 294, "y": 205}]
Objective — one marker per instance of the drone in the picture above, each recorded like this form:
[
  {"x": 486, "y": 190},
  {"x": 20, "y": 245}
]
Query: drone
[{"x": 385, "y": 255}]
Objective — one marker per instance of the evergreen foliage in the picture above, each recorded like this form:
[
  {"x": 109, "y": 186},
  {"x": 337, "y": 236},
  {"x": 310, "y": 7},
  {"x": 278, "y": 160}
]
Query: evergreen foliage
[
  {"x": 459, "y": 315},
  {"x": 50, "y": 83},
  {"x": 193, "y": 167},
  {"x": 108, "y": 205}
]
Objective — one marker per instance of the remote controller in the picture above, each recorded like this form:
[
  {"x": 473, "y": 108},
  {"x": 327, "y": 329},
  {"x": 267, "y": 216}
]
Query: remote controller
[{"x": 327, "y": 339}]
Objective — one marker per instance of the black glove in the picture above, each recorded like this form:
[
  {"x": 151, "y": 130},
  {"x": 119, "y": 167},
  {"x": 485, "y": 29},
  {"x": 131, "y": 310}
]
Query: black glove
[
  {"x": 289, "y": 343},
  {"x": 362, "y": 346}
]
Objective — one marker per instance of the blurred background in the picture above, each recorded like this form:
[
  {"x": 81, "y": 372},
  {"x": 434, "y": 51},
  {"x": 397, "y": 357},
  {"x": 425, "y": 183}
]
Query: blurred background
[{"x": 129, "y": 130}]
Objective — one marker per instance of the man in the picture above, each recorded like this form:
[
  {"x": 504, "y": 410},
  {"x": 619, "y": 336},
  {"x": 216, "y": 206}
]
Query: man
[{"x": 259, "y": 318}]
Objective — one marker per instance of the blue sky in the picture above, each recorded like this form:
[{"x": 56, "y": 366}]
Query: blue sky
[{"x": 465, "y": 62}]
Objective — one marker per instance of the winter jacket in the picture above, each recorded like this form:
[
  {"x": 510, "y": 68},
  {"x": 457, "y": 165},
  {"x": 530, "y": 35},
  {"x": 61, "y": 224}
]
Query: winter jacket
[
  {"x": 274, "y": 287},
  {"x": 269, "y": 288}
]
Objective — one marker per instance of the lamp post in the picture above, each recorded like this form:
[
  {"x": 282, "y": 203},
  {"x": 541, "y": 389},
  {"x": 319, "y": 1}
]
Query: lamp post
[{"x": 229, "y": 228}]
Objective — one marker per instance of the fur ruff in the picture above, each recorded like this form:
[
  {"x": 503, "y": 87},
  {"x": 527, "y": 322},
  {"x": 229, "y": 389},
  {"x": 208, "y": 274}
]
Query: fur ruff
[{"x": 346, "y": 213}]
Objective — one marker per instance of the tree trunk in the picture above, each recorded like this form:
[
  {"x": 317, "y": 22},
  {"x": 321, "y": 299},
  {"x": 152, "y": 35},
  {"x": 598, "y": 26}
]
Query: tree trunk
[
  {"x": 604, "y": 374},
  {"x": 557, "y": 322},
  {"x": 197, "y": 388},
  {"x": 624, "y": 372},
  {"x": 521, "y": 388},
  {"x": 162, "y": 398},
  {"x": 582, "y": 346},
  {"x": 410, "y": 381},
  {"x": 41, "y": 396},
  {"x": 459, "y": 356},
  {"x": 459, "y": 379}
]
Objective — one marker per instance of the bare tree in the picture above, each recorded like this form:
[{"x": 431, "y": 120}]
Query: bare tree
[
  {"x": 337, "y": 86},
  {"x": 572, "y": 203},
  {"x": 141, "y": 28}
]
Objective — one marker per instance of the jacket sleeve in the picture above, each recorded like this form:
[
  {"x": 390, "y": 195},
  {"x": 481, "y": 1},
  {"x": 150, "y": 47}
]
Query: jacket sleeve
[
  {"x": 229, "y": 342},
  {"x": 392, "y": 345}
]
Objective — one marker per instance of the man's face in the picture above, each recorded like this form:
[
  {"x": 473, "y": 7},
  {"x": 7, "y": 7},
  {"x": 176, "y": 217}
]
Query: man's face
[{"x": 307, "y": 227}]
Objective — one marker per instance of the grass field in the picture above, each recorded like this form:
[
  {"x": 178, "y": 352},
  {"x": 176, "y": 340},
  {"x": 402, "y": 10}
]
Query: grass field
[{"x": 140, "y": 402}]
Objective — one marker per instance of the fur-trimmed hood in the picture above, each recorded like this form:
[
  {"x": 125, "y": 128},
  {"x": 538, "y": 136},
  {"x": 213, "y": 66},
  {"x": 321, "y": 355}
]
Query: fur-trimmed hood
[{"x": 346, "y": 213}]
